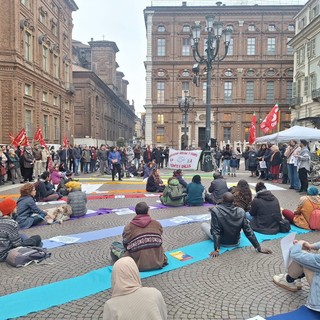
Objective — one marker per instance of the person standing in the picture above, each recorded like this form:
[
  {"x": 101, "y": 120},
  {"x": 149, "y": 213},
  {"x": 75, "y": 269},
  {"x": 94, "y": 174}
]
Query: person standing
[
  {"x": 86, "y": 159},
  {"x": 93, "y": 159},
  {"x": 14, "y": 166},
  {"x": 70, "y": 158},
  {"x": 137, "y": 156},
  {"x": 147, "y": 155},
  {"x": 37, "y": 169},
  {"x": 291, "y": 153},
  {"x": 275, "y": 162},
  {"x": 103, "y": 155},
  {"x": 115, "y": 160},
  {"x": 76, "y": 158},
  {"x": 166, "y": 156},
  {"x": 63, "y": 155},
  {"x": 226, "y": 156},
  {"x": 28, "y": 164},
  {"x": 304, "y": 159}
]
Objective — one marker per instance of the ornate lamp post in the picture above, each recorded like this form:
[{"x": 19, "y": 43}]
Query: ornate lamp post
[
  {"x": 186, "y": 104},
  {"x": 215, "y": 35}
]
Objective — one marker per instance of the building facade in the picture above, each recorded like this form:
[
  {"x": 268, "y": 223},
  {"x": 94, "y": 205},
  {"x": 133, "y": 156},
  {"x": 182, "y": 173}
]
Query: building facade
[
  {"x": 305, "y": 104},
  {"x": 35, "y": 61},
  {"x": 101, "y": 111},
  {"x": 256, "y": 73}
]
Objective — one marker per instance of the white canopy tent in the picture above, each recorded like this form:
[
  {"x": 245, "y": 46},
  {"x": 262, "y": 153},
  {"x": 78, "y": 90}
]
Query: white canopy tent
[{"x": 293, "y": 133}]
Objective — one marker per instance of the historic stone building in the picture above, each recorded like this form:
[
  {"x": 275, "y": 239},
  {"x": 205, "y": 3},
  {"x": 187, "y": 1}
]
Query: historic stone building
[
  {"x": 256, "y": 73},
  {"x": 305, "y": 104},
  {"x": 101, "y": 111},
  {"x": 35, "y": 62}
]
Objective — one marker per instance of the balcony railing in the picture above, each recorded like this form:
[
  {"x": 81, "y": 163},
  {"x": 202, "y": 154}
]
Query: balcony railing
[
  {"x": 296, "y": 101},
  {"x": 316, "y": 94}
]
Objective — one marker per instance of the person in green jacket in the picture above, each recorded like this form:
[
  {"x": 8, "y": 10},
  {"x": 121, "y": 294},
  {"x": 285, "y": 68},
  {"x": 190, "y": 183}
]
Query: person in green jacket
[
  {"x": 173, "y": 194},
  {"x": 195, "y": 192}
]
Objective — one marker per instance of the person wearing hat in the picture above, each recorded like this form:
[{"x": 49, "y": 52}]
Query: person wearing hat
[
  {"x": 142, "y": 240},
  {"x": 301, "y": 216},
  {"x": 77, "y": 199},
  {"x": 62, "y": 189},
  {"x": 9, "y": 230}
]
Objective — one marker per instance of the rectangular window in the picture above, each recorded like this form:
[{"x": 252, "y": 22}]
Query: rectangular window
[
  {"x": 28, "y": 90},
  {"x": 272, "y": 27},
  {"x": 54, "y": 29},
  {"x": 186, "y": 47},
  {"x": 66, "y": 105},
  {"x": 227, "y": 134},
  {"x": 26, "y": 3},
  {"x": 204, "y": 92},
  {"x": 55, "y": 100},
  {"x": 56, "y": 129},
  {"x": 291, "y": 27},
  {"x": 160, "y": 92},
  {"x": 67, "y": 127},
  {"x": 271, "y": 46},
  {"x": 289, "y": 48},
  {"x": 67, "y": 75},
  {"x": 311, "y": 48},
  {"x": 45, "y": 127},
  {"x": 230, "y": 48},
  {"x": 228, "y": 92},
  {"x": 251, "y": 27},
  {"x": 42, "y": 18},
  {"x": 251, "y": 46},
  {"x": 313, "y": 81},
  {"x": 270, "y": 92},
  {"x": 45, "y": 59},
  {"x": 160, "y": 119},
  {"x": 28, "y": 122},
  {"x": 250, "y": 92},
  {"x": 161, "y": 47},
  {"x": 306, "y": 86},
  {"x": 28, "y": 46},
  {"x": 56, "y": 66},
  {"x": 289, "y": 91},
  {"x": 45, "y": 96},
  {"x": 160, "y": 135}
]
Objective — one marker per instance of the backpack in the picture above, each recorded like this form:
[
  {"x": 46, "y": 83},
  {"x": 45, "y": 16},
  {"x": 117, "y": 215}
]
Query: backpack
[
  {"x": 175, "y": 193},
  {"x": 314, "y": 220},
  {"x": 23, "y": 256}
]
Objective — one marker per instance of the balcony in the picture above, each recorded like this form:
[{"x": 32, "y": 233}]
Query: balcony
[
  {"x": 315, "y": 95},
  {"x": 295, "y": 101}
]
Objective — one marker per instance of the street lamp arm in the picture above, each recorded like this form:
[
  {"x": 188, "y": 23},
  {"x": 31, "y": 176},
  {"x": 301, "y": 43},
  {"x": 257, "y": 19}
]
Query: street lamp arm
[
  {"x": 225, "y": 54},
  {"x": 196, "y": 54}
]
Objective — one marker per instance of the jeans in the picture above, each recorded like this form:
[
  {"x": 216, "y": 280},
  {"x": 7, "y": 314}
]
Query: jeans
[
  {"x": 76, "y": 166},
  {"x": 226, "y": 166},
  {"x": 293, "y": 177},
  {"x": 86, "y": 167}
]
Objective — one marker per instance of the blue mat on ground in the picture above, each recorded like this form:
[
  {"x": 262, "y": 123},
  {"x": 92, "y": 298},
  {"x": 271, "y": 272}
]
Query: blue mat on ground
[
  {"x": 46, "y": 296},
  {"x": 303, "y": 313}
]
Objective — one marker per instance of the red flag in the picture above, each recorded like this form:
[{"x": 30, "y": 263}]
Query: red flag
[
  {"x": 38, "y": 135},
  {"x": 24, "y": 142},
  {"x": 11, "y": 138},
  {"x": 19, "y": 138},
  {"x": 271, "y": 120},
  {"x": 65, "y": 142},
  {"x": 252, "y": 137}
]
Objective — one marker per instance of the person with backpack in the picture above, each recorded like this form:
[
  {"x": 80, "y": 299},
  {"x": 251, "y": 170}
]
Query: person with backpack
[
  {"x": 9, "y": 230},
  {"x": 307, "y": 214},
  {"x": 173, "y": 194}
]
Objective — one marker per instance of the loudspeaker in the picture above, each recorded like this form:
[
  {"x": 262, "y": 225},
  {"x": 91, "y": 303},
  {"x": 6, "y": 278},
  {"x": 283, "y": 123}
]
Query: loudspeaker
[{"x": 213, "y": 143}]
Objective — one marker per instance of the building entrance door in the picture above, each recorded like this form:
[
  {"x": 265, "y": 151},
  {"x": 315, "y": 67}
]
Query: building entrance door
[{"x": 202, "y": 137}]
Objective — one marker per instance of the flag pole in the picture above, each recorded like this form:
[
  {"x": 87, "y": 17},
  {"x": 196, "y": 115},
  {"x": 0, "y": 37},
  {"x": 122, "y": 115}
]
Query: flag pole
[{"x": 279, "y": 115}]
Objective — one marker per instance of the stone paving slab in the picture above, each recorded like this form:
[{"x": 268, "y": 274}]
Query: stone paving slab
[{"x": 236, "y": 285}]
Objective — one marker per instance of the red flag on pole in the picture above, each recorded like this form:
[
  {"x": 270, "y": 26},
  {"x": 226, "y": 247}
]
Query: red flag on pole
[
  {"x": 11, "y": 138},
  {"x": 38, "y": 135},
  {"x": 252, "y": 138},
  {"x": 271, "y": 120},
  {"x": 17, "y": 141},
  {"x": 65, "y": 142}
]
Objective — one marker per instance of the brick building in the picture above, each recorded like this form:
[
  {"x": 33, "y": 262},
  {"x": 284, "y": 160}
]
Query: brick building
[
  {"x": 35, "y": 62},
  {"x": 256, "y": 73},
  {"x": 101, "y": 111}
]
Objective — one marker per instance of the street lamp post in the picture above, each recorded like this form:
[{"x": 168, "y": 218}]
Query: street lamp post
[
  {"x": 215, "y": 32},
  {"x": 186, "y": 104}
]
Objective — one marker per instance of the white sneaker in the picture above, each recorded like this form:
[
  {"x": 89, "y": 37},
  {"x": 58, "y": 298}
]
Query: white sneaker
[
  {"x": 298, "y": 284},
  {"x": 281, "y": 281}
]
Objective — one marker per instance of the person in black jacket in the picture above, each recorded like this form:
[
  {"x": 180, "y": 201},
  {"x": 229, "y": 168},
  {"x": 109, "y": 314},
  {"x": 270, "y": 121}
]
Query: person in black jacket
[
  {"x": 44, "y": 189},
  {"x": 265, "y": 209},
  {"x": 217, "y": 189},
  {"x": 275, "y": 162},
  {"x": 227, "y": 221},
  {"x": 226, "y": 156}
]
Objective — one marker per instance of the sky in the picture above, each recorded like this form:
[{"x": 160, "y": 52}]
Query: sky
[{"x": 121, "y": 21}]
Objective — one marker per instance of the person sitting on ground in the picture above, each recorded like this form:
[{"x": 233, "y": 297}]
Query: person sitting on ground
[
  {"x": 147, "y": 170},
  {"x": 142, "y": 241},
  {"x": 62, "y": 167},
  {"x": 195, "y": 192},
  {"x": 242, "y": 195},
  {"x": 45, "y": 190},
  {"x": 154, "y": 182},
  {"x": 217, "y": 189},
  {"x": 56, "y": 175},
  {"x": 173, "y": 194},
  {"x": 140, "y": 170},
  {"x": 264, "y": 211},
  {"x": 77, "y": 199},
  {"x": 304, "y": 263},
  {"x": 28, "y": 213},
  {"x": 9, "y": 230},
  {"x": 127, "y": 291},
  {"x": 301, "y": 216},
  {"x": 62, "y": 189},
  {"x": 178, "y": 174},
  {"x": 227, "y": 221}
]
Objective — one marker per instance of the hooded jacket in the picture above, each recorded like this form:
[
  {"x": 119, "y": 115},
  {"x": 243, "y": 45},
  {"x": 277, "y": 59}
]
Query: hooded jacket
[
  {"x": 173, "y": 188},
  {"x": 143, "y": 242},
  {"x": 227, "y": 221},
  {"x": 263, "y": 208}
]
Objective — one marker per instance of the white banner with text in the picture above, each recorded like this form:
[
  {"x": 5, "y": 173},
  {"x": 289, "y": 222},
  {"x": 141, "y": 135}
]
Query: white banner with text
[{"x": 184, "y": 159}]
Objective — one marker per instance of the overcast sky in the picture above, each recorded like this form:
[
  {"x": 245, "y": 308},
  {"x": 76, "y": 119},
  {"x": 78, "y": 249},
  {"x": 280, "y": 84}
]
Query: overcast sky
[{"x": 120, "y": 21}]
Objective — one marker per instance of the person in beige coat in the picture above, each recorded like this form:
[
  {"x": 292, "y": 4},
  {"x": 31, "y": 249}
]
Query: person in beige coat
[{"x": 131, "y": 301}]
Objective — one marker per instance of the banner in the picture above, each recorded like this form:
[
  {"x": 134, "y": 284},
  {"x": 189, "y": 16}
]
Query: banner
[
  {"x": 184, "y": 159},
  {"x": 38, "y": 136},
  {"x": 252, "y": 138},
  {"x": 271, "y": 120},
  {"x": 21, "y": 139}
]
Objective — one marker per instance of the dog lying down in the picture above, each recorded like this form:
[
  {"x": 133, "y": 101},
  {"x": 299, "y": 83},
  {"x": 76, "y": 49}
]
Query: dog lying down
[{"x": 58, "y": 214}]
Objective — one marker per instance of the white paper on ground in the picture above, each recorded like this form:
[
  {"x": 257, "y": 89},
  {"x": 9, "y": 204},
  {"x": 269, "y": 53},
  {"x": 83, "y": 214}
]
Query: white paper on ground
[
  {"x": 257, "y": 318},
  {"x": 286, "y": 244},
  {"x": 90, "y": 211},
  {"x": 50, "y": 202},
  {"x": 89, "y": 188},
  {"x": 181, "y": 219},
  {"x": 123, "y": 211},
  {"x": 151, "y": 195},
  {"x": 64, "y": 239},
  {"x": 201, "y": 217}
]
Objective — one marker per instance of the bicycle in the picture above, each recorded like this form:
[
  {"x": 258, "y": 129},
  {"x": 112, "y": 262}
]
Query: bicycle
[{"x": 314, "y": 175}]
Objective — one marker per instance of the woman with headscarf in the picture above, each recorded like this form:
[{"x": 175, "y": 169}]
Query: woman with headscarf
[
  {"x": 131, "y": 301},
  {"x": 307, "y": 204}
]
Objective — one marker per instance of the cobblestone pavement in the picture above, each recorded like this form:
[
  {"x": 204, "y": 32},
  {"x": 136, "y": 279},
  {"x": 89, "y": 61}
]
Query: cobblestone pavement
[{"x": 236, "y": 285}]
